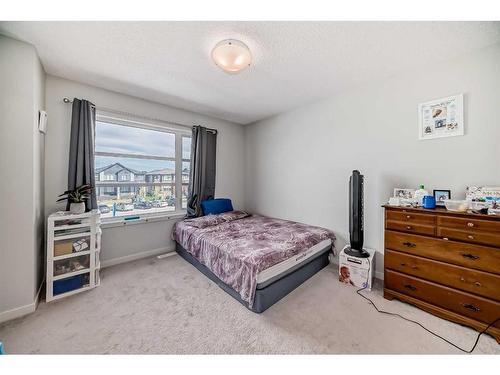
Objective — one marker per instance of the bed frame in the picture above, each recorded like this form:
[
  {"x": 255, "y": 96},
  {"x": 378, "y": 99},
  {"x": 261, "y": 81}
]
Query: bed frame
[{"x": 267, "y": 295}]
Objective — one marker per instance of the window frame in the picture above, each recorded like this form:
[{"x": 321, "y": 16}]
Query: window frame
[
  {"x": 183, "y": 160},
  {"x": 156, "y": 125}
]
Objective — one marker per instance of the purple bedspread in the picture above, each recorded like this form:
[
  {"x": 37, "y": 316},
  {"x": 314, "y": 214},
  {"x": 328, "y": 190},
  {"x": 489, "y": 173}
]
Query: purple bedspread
[{"x": 236, "y": 246}]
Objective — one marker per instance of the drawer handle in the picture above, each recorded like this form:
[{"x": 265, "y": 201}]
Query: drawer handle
[
  {"x": 470, "y": 237},
  {"x": 470, "y": 307},
  {"x": 412, "y": 267},
  {"x": 476, "y": 283},
  {"x": 470, "y": 256},
  {"x": 410, "y": 287},
  {"x": 409, "y": 244},
  {"x": 470, "y": 225},
  {"x": 408, "y": 216},
  {"x": 408, "y": 227}
]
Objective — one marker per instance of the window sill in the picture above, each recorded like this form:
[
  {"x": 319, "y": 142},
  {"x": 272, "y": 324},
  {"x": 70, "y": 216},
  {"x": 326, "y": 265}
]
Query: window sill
[{"x": 113, "y": 222}]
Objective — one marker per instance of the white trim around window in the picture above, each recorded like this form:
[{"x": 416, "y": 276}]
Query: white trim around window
[{"x": 143, "y": 215}]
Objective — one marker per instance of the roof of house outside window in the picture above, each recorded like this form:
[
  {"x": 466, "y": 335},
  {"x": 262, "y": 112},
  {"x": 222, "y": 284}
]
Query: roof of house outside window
[
  {"x": 134, "y": 171},
  {"x": 163, "y": 171}
]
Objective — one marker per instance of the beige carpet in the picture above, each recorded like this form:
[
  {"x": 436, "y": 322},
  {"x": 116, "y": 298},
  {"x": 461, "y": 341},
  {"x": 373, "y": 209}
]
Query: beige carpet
[{"x": 167, "y": 306}]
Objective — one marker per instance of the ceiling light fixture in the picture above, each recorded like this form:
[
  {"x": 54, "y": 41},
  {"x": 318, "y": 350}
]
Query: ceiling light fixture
[{"x": 231, "y": 55}]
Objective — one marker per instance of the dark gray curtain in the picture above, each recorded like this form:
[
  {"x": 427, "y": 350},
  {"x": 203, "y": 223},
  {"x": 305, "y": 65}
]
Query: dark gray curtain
[
  {"x": 202, "y": 176},
  {"x": 81, "y": 149}
]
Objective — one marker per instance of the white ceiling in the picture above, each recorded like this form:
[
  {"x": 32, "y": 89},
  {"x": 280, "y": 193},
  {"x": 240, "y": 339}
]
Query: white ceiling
[{"x": 294, "y": 62}]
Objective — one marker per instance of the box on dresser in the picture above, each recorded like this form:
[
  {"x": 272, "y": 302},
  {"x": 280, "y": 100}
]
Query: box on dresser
[{"x": 447, "y": 263}]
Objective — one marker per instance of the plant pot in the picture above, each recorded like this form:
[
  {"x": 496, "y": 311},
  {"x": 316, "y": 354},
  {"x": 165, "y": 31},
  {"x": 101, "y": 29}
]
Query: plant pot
[{"x": 77, "y": 208}]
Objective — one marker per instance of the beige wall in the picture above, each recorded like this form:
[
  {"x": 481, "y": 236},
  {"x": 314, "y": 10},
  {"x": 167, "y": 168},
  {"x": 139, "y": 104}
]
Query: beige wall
[
  {"x": 39, "y": 174},
  {"x": 22, "y": 80},
  {"x": 298, "y": 163},
  {"x": 128, "y": 242}
]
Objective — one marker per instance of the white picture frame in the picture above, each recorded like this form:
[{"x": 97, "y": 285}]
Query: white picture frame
[
  {"x": 403, "y": 193},
  {"x": 441, "y": 118}
]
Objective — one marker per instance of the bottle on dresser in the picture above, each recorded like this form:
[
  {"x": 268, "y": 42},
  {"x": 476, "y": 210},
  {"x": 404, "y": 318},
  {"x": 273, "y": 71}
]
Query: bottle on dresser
[{"x": 420, "y": 194}]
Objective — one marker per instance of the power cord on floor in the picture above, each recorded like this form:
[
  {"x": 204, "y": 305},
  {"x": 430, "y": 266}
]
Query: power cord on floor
[{"x": 419, "y": 324}]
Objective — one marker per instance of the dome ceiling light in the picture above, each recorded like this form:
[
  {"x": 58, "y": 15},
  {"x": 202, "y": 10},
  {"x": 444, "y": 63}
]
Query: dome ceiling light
[{"x": 232, "y": 55}]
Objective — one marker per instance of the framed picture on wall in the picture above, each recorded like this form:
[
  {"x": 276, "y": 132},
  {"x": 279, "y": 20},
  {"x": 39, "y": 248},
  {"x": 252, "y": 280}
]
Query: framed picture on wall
[{"x": 441, "y": 118}]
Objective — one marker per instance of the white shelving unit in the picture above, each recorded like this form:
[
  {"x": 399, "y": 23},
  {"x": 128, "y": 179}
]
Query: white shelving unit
[{"x": 73, "y": 248}]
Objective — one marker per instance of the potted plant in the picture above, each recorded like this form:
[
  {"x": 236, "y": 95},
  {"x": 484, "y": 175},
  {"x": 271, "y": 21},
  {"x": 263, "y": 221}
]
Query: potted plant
[{"x": 76, "y": 198}]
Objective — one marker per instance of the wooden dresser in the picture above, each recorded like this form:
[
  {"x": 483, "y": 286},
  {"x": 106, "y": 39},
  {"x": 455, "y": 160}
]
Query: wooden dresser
[{"x": 446, "y": 263}]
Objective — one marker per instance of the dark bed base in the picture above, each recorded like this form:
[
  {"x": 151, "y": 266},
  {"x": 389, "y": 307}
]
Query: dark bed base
[{"x": 272, "y": 293}]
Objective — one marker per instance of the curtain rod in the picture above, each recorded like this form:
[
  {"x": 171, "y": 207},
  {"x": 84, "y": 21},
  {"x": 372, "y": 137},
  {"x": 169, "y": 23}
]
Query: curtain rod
[{"x": 67, "y": 101}]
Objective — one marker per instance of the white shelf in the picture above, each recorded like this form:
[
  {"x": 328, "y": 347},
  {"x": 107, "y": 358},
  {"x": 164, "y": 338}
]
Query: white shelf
[
  {"x": 70, "y": 236},
  {"x": 70, "y": 274},
  {"x": 78, "y": 253},
  {"x": 92, "y": 231},
  {"x": 71, "y": 292},
  {"x": 69, "y": 226},
  {"x": 66, "y": 215}
]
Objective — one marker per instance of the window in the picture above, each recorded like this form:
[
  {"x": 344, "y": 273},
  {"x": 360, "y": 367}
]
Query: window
[
  {"x": 140, "y": 168},
  {"x": 186, "y": 167}
]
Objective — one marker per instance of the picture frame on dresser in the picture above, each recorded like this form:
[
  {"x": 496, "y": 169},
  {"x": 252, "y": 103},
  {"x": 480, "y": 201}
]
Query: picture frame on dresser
[
  {"x": 446, "y": 263},
  {"x": 441, "y": 195},
  {"x": 403, "y": 193}
]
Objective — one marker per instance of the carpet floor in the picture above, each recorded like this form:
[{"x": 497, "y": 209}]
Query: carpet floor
[{"x": 167, "y": 306}]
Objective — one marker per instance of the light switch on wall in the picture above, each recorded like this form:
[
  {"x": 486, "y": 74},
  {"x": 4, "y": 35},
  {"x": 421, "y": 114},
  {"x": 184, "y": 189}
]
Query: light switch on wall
[{"x": 42, "y": 122}]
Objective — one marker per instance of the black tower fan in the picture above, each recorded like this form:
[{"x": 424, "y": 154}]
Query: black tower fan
[{"x": 356, "y": 216}]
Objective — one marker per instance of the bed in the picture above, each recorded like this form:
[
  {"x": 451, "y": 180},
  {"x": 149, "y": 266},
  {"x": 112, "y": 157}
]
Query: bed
[{"x": 256, "y": 259}]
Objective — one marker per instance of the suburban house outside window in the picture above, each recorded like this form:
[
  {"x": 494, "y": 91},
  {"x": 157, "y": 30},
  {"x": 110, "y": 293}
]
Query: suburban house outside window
[{"x": 140, "y": 168}]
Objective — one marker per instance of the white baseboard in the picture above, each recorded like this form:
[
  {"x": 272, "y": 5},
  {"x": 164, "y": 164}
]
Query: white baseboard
[
  {"x": 136, "y": 256},
  {"x": 17, "y": 312},
  {"x": 37, "y": 297},
  {"x": 22, "y": 310}
]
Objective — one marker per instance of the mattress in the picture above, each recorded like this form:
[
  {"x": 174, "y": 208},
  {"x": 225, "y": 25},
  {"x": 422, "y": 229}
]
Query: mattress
[
  {"x": 267, "y": 296},
  {"x": 273, "y": 273},
  {"x": 236, "y": 247}
]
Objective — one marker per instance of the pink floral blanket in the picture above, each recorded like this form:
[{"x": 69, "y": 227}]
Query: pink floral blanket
[{"x": 236, "y": 246}]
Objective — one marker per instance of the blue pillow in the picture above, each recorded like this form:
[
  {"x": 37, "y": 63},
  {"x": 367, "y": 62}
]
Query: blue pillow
[{"x": 216, "y": 206}]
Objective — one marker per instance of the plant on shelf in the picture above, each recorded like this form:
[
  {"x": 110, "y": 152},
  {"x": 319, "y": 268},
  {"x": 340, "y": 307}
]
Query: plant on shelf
[{"x": 76, "y": 198}]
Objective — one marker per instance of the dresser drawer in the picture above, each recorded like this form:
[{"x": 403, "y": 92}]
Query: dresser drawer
[
  {"x": 462, "y": 254},
  {"x": 483, "y": 238},
  {"x": 410, "y": 217},
  {"x": 476, "y": 282},
  {"x": 469, "y": 224},
  {"x": 475, "y": 307},
  {"x": 410, "y": 227}
]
